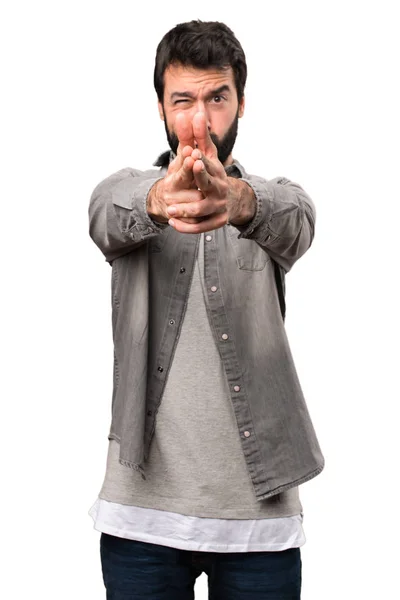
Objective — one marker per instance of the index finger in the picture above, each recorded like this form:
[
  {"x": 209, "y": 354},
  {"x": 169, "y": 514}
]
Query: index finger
[
  {"x": 184, "y": 131},
  {"x": 202, "y": 136}
]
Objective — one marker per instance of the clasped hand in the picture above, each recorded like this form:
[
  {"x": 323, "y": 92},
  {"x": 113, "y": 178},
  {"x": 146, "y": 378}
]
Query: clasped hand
[{"x": 196, "y": 195}]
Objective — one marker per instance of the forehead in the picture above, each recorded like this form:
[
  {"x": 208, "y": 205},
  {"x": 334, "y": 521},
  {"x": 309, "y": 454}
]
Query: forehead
[{"x": 178, "y": 78}]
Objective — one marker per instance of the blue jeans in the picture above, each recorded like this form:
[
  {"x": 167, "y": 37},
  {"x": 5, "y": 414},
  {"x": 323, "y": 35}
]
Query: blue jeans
[{"x": 134, "y": 570}]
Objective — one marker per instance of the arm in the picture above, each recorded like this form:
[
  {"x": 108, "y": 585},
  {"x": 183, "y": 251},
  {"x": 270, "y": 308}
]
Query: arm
[
  {"x": 118, "y": 217},
  {"x": 276, "y": 214},
  {"x": 284, "y": 218},
  {"x": 130, "y": 207}
]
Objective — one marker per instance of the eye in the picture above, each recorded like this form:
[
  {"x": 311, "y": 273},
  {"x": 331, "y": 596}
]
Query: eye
[
  {"x": 184, "y": 100},
  {"x": 218, "y": 99}
]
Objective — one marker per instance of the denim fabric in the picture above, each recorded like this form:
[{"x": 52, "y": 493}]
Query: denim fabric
[
  {"x": 152, "y": 267},
  {"x": 134, "y": 570}
]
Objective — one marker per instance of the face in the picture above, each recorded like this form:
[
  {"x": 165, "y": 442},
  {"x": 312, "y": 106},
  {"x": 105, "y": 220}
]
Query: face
[{"x": 210, "y": 91}]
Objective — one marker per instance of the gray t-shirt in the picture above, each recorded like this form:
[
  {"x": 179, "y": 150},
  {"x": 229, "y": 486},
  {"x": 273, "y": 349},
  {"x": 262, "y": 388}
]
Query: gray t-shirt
[{"x": 196, "y": 464}]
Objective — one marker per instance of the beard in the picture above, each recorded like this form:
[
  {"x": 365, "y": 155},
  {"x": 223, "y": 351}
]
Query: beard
[{"x": 224, "y": 145}]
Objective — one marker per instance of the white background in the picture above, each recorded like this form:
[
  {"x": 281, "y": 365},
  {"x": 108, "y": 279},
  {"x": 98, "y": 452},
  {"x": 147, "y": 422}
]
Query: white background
[{"x": 322, "y": 110}]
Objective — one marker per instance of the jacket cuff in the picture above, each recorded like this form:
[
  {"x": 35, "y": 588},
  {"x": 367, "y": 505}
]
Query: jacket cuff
[
  {"x": 258, "y": 228},
  {"x": 129, "y": 198},
  {"x": 144, "y": 224}
]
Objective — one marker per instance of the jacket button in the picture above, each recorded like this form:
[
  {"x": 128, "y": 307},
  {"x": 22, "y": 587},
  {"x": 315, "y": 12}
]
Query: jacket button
[
  {"x": 149, "y": 413},
  {"x": 237, "y": 388},
  {"x": 182, "y": 270},
  {"x": 247, "y": 434},
  {"x": 161, "y": 369}
]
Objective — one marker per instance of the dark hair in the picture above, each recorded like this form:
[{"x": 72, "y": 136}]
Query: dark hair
[{"x": 202, "y": 45}]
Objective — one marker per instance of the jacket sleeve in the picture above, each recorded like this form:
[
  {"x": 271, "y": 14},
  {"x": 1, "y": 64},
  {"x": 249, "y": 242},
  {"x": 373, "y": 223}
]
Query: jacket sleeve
[
  {"x": 118, "y": 218},
  {"x": 284, "y": 221}
]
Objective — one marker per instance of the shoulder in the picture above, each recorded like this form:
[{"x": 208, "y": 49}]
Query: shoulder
[
  {"x": 124, "y": 176},
  {"x": 237, "y": 169}
]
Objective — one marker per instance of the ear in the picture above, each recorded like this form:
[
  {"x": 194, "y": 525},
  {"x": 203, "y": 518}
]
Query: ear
[
  {"x": 241, "y": 107},
  {"x": 161, "y": 111}
]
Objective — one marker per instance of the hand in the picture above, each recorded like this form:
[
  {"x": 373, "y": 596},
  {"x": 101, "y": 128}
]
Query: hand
[
  {"x": 178, "y": 185},
  {"x": 224, "y": 198}
]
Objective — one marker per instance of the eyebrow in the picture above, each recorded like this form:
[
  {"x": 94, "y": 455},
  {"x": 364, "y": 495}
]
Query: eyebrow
[{"x": 220, "y": 90}]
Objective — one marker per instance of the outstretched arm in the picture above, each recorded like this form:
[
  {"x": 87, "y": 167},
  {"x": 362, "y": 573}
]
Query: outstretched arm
[
  {"x": 129, "y": 208},
  {"x": 277, "y": 214}
]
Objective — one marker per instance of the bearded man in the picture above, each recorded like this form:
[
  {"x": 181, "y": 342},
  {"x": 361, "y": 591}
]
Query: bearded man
[{"x": 210, "y": 436}]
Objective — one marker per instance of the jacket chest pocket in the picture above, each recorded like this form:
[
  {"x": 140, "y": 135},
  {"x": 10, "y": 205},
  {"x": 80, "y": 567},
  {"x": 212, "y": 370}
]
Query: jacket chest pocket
[{"x": 249, "y": 255}]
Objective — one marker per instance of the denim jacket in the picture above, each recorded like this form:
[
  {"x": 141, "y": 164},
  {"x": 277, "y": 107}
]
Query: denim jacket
[{"x": 152, "y": 266}]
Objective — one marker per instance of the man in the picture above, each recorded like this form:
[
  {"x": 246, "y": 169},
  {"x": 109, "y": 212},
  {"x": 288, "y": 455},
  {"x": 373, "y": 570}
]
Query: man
[{"x": 210, "y": 434}]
